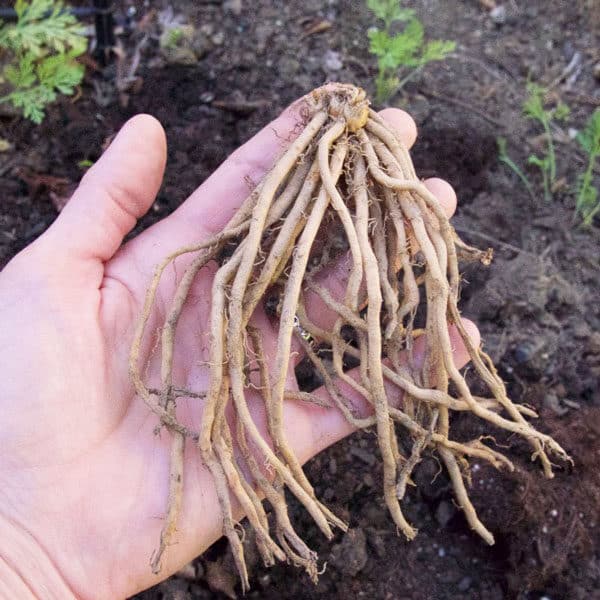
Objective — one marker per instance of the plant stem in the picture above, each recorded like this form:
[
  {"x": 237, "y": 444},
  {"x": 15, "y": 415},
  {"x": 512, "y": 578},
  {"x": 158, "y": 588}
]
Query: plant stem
[
  {"x": 583, "y": 192},
  {"x": 551, "y": 154},
  {"x": 408, "y": 77},
  {"x": 504, "y": 158}
]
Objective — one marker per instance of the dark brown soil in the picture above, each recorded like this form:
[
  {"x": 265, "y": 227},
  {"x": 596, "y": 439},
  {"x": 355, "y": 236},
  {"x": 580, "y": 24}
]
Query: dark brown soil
[{"x": 537, "y": 305}]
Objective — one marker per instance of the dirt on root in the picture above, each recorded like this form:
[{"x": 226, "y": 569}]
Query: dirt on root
[{"x": 537, "y": 305}]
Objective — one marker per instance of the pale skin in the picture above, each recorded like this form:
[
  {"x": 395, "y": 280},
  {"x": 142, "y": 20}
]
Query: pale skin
[{"x": 83, "y": 475}]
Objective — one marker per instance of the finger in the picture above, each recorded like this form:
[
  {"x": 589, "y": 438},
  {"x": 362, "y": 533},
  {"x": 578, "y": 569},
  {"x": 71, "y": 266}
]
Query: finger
[
  {"x": 327, "y": 425},
  {"x": 114, "y": 193},
  {"x": 213, "y": 204},
  {"x": 335, "y": 277}
]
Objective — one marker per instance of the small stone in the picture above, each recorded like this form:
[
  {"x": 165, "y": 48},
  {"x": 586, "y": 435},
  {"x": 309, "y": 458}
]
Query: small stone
[
  {"x": 234, "y": 6},
  {"x": 288, "y": 67},
  {"x": 444, "y": 513},
  {"x": 593, "y": 345},
  {"x": 464, "y": 584},
  {"x": 174, "y": 589},
  {"x": 377, "y": 543},
  {"x": 220, "y": 578},
  {"x": 207, "y": 97},
  {"x": 332, "y": 466},
  {"x": 364, "y": 455},
  {"x": 201, "y": 44},
  {"x": 350, "y": 555},
  {"x": 523, "y": 353},
  {"x": 332, "y": 61},
  {"x": 262, "y": 34},
  {"x": 368, "y": 480},
  {"x": 581, "y": 331},
  {"x": 568, "y": 50},
  {"x": 207, "y": 29},
  {"x": 552, "y": 402},
  {"x": 596, "y": 71},
  {"x": 560, "y": 390},
  {"x": 218, "y": 38},
  {"x": 498, "y": 15}
]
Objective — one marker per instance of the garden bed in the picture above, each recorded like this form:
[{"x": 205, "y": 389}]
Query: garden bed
[{"x": 537, "y": 305}]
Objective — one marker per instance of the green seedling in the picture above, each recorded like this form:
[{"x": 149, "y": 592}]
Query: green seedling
[
  {"x": 504, "y": 158},
  {"x": 85, "y": 163},
  {"x": 173, "y": 38},
  {"x": 534, "y": 109},
  {"x": 39, "y": 51},
  {"x": 405, "y": 51},
  {"x": 588, "y": 203}
]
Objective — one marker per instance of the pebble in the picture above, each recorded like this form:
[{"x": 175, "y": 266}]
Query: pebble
[
  {"x": 593, "y": 345},
  {"x": 234, "y": 6},
  {"x": 581, "y": 331},
  {"x": 332, "y": 61},
  {"x": 364, "y": 455},
  {"x": 596, "y": 71},
  {"x": 207, "y": 97},
  {"x": 262, "y": 32},
  {"x": 368, "y": 480},
  {"x": 350, "y": 556},
  {"x": 552, "y": 402},
  {"x": 523, "y": 353},
  {"x": 444, "y": 513},
  {"x": 568, "y": 50},
  {"x": 332, "y": 466},
  {"x": 201, "y": 44},
  {"x": 498, "y": 15},
  {"x": 218, "y": 38},
  {"x": 560, "y": 390},
  {"x": 288, "y": 66},
  {"x": 464, "y": 584}
]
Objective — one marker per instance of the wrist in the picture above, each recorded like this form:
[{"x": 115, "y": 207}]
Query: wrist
[{"x": 26, "y": 570}]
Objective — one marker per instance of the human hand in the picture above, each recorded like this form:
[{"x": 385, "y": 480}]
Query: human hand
[{"x": 83, "y": 476}]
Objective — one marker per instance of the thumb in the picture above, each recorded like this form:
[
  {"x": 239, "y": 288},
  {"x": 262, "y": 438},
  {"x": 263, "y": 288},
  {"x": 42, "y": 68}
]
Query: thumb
[{"x": 113, "y": 194}]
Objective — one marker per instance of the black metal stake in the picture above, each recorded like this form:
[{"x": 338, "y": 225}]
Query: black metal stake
[{"x": 105, "y": 30}]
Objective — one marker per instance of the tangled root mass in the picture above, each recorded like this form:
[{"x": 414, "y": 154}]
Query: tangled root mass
[{"x": 348, "y": 172}]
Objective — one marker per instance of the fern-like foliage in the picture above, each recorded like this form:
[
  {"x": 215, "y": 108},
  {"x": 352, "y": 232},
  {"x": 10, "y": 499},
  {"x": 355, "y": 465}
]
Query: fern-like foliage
[
  {"x": 534, "y": 109},
  {"x": 405, "y": 50},
  {"x": 588, "y": 202},
  {"x": 42, "y": 47}
]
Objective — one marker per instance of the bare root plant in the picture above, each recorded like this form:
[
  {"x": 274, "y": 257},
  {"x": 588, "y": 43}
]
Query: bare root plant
[{"x": 346, "y": 171}]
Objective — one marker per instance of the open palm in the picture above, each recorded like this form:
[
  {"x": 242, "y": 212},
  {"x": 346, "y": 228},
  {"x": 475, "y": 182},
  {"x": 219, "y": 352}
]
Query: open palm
[{"x": 83, "y": 473}]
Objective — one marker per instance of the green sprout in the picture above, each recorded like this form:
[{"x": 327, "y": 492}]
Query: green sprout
[
  {"x": 534, "y": 109},
  {"x": 40, "y": 48},
  {"x": 504, "y": 158},
  {"x": 588, "y": 203},
  {"x": 406, "y": 50}
]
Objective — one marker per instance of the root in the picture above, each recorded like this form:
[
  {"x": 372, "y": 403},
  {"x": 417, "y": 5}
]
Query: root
[{"x": 346, "y": 174}]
